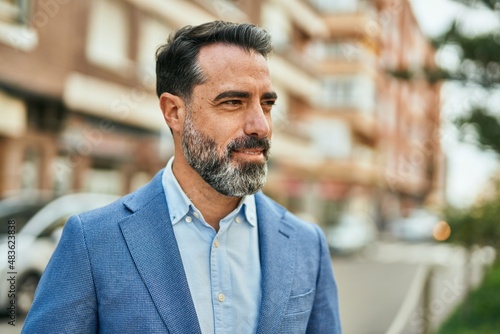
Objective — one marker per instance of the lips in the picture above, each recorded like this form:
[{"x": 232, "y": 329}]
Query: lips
[
  {"x": 250, "y": 147},
  {"x": 251, "y": 151}
]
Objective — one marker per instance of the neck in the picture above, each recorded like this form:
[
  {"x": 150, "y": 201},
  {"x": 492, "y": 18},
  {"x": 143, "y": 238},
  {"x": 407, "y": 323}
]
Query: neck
[{"x": 213, "y": 205}]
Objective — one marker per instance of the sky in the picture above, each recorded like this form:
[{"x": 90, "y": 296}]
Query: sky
[{"x": 468, "y": 168}]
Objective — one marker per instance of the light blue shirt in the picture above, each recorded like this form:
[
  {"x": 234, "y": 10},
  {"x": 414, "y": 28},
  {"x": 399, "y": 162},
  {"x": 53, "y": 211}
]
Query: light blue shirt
[{"x": 222, "y": 268}]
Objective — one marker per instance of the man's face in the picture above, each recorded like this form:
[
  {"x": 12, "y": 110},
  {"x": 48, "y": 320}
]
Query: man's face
[
  {"x": 219, "y": 170},
  {"x": 227, "y": 128}
]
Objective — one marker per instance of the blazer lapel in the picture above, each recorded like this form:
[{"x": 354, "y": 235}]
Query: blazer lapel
[
  {"x": 277, "y": 255},
  {"x": 152, "y": 244}
]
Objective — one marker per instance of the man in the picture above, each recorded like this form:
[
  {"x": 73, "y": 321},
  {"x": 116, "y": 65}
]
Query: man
[{"x": 199, "y": 249}]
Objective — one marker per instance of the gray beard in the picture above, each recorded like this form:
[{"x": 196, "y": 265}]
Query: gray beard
[{"x": 227, "y": 177}]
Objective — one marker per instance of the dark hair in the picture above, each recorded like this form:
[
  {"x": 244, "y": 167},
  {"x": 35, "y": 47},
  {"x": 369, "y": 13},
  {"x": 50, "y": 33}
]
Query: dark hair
[{"x": 177, "y": 70}]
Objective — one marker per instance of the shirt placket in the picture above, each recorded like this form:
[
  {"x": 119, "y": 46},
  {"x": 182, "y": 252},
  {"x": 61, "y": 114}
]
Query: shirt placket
[{"x": 221, "y": 287}]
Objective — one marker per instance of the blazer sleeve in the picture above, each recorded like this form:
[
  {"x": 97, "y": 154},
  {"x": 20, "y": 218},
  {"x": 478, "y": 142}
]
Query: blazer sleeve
[
  {"x": 65, "y": 300},
  {"x": 325, "y": 318}
]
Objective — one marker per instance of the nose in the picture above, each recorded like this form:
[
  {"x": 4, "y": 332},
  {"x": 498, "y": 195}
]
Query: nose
[{"x": 258, "y": 123}]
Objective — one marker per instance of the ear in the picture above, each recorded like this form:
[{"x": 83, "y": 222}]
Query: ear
[{"x": 173, "y": 109}]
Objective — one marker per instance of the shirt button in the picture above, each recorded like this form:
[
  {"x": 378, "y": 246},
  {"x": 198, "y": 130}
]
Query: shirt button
[
  {"x": 216, "y": 243},
  {"x": 238, "y": 220},
  {"x": 221, "y": 297},
  {"x": 196, "y": 214},
  {"x": 189, "y": 219}
]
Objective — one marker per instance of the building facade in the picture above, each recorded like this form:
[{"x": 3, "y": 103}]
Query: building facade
[{"x": 351, "y": 133}]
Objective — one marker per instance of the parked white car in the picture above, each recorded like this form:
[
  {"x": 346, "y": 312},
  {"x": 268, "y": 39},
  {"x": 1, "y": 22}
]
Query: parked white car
[
  {"x": 352, "y": 233},
  {"x": 417, "y": 226},
  {"x": 34, "y": 244}
]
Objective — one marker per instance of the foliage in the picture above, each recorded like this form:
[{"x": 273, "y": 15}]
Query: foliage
[
  {"x": 480, "y": 56},
  {"x": 491, "y": 4},
  {"x": 478, "y": 314},
  {"x": 480, "y": 224},
  {"x": 431, "y": 75},
  {"x": 477, "y": 225},
  {"x": 485, "y": 126},
  {"x": 479, "y": 66}
]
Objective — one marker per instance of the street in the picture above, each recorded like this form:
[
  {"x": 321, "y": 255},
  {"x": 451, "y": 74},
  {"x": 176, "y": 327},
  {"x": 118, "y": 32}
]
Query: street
[
  {"x": 382, "y": 291},
  {"x": 370, "y": 293}
]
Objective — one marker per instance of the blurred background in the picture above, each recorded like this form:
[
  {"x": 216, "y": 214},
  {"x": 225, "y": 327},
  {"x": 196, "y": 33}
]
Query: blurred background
[{"x": 386, "y": 134}]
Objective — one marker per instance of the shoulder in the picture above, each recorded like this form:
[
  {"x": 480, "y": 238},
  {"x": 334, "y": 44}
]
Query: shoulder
[
  {"x": 151, "y": 194},
  {"x": 112, "y": 210},
  {"x": 305, "y": 229}
]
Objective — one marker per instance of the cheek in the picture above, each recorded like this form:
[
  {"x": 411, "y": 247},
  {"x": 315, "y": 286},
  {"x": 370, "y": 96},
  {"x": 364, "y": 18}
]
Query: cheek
[
  {"x": 224, "y": 132},
  {"x": 222, "y": 141}
]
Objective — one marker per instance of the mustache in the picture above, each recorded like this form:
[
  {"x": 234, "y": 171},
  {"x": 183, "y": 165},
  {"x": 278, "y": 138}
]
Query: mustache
[{"x": 249, "y": 142}]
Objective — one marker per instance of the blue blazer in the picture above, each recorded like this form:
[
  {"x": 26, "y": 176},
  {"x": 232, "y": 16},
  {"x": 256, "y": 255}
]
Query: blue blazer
[{"x": 118, "y": 269}]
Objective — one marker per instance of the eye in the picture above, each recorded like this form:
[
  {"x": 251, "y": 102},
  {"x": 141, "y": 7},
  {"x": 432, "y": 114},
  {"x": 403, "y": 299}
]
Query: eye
[
  {"x": 269, "y": 103},
  {"x": 233, "y": 102}
]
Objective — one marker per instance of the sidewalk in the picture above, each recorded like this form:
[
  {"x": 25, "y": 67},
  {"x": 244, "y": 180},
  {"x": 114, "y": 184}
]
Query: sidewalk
[
  {"x": 443, "y": 280},
  {"x": 397, "y": 287}
]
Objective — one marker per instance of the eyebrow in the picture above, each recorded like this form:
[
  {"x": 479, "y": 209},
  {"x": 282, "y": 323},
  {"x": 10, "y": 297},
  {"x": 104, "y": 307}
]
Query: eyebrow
[
  {"x": 232, "y": 93},
  {"x": 269, "y": 96},
  {"x": 243, "y": 95}
]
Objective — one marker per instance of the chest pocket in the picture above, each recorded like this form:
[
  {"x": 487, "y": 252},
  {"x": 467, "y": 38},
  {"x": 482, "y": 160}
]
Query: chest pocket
[
  {"x": 300, "y": 303},
  {"x": 297, "y": 314}
]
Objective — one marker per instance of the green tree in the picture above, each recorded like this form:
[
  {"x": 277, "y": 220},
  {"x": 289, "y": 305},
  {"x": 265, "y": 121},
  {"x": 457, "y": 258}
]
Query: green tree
[
  {"x": 479, "y": 68},
  {"x": 478, "y": 224}
]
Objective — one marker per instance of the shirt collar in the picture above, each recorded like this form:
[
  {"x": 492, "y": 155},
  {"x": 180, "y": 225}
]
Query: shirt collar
[{"x": 179, "y": 205}]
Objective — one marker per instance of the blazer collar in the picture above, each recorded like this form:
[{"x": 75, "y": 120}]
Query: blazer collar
[
  {"x": 151, "y": 241},
  {"x": 277, "y": 257}
]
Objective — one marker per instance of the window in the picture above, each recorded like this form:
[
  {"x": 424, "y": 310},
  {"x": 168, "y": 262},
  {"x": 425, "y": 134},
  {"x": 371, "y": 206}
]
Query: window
[
  {"x": 13, "y": 115},
  {"x": 363, "y": 155},
  {"x": 152, "y": 34},
  {"x": 16, "y": 30},
  {"x": 332, "y": 211},
  {"x": 14, "y": 11},
  {"x": 108, "y": 35},
  {"x": 335, "y": 5},
  {"x": 103, "y": 180},
  {"x": 20, "y": 210},
  {"x": 357, "y": 91},
  {"x": 31, "y": 169},
  {"x": 339, "y": 93},
  {"x": 279, "y": 113},
  {"x": 331, "y": 137},
  {"x": 275, "y": 21},
  {"x": 63, "y": 173},
  {"x": 343, "y": 6}
]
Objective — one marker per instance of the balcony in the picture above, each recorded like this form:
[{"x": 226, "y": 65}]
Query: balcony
[
  {"x": 346, "y": 67},
  {"x": 350, "y": 171},
  {"x": 346, "y": 171},
  {"x": 348, "y": 18},
  {"x": 352, "y": 25},
  {"x": 342, "y": 57}
]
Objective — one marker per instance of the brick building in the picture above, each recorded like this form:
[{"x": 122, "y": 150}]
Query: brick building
[{"x": 79, "y": 112}]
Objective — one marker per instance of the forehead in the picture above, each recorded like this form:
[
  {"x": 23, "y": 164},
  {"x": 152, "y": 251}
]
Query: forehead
[{"x": 229, "y": 66}]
